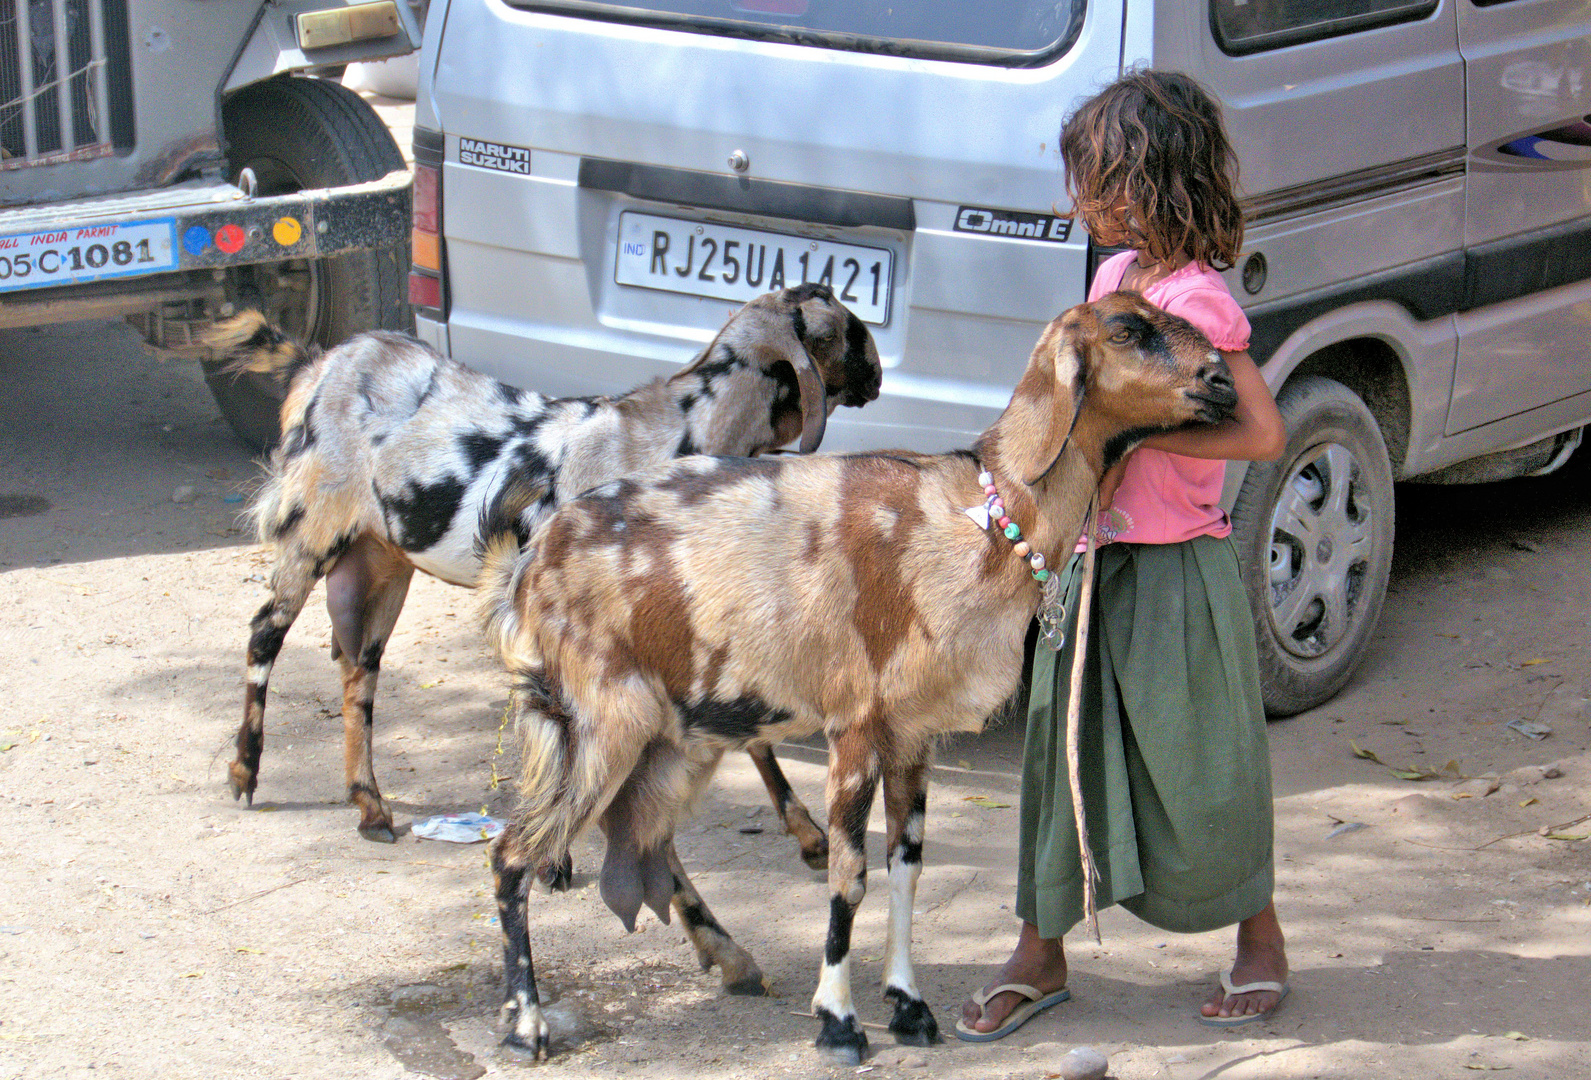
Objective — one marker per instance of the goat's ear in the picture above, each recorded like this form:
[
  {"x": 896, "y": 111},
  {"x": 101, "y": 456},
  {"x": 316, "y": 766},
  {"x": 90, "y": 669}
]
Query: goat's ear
[
  {"x": 780, "y": 343},
  {"x": 1052, "y": 390}
]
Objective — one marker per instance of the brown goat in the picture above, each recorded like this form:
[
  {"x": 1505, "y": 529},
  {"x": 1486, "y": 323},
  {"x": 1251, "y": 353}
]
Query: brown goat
[
  {"x": 391, "y": 454},
  {"x": 662, "y": 619}
]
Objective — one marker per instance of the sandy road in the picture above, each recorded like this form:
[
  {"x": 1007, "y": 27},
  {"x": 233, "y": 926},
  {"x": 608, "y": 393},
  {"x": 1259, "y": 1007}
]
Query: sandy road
[{"x": 151, "y": 927}]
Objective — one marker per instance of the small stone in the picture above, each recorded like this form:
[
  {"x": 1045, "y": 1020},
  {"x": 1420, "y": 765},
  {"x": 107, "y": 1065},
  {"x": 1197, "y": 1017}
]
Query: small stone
[
  {"x": 913, "y": 1061},
  {"x": 1550, "y": 772},
  {"x": 184, "y": 494},
  {"x": 1083, "y": 1063}
]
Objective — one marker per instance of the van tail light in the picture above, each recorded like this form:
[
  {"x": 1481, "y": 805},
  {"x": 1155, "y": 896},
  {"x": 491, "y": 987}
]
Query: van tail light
[
  {"x": 427, "y": 218},
  {"x": 425, "y": 294},
  {"x": 427, "y": 262}
]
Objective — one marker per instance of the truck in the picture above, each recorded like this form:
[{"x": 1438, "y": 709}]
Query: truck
[{"x": 174, "y": 161}]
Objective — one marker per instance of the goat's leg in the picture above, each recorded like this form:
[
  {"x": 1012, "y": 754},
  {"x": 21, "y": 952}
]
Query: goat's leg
[
  {"x": 793, "y": 812},
  {"x": 364, "y": 594},
  {"x": 739, "y": 971},
  {"x": 853, "y": 777},
  {"x": 292, "y": 578},
  {"x": 527, "y": 1028},
  {"x": 905, "y": 810}
]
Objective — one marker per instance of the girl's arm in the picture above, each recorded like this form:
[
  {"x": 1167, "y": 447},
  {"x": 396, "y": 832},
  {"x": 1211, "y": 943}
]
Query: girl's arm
[{"x": 1254, "y": 432}]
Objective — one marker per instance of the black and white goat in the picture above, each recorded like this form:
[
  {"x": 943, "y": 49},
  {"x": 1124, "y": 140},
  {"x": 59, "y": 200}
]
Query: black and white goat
[
  {"x": 711, "y": 603},
  {"x": 390, "y": 455}
]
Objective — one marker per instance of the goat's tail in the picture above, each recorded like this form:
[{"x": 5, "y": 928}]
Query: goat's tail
[
  {"x": 551, "y": 811},
  {"x": 599, "y": 755},
  {"x": 561, "y": 786},
  {"x": 250, "y": 343},
  {"x": 578, "y": 749}
]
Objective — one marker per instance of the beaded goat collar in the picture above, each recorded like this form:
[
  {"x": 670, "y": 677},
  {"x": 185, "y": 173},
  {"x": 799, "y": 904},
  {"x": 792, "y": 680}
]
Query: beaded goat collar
[{"x": 992, "y": 509}]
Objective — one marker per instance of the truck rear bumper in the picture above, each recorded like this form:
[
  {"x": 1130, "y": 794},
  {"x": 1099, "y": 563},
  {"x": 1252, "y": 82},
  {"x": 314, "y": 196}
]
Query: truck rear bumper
[{"x": 199, "y": 230}]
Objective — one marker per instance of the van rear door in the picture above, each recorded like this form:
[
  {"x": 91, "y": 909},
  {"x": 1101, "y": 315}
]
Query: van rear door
[{"x": 615, "y": 177}]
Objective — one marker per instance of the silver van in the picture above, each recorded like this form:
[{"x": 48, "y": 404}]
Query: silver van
[{"x": 599, "y": 184}]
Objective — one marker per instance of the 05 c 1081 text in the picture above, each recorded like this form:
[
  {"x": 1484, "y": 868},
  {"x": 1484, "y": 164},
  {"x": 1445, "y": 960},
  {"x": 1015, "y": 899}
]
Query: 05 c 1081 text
[
  {"x": 75, "y": 259},
  {"x": 73, "y": 255}
]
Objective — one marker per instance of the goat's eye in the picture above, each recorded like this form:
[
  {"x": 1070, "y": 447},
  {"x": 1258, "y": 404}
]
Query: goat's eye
[{"x": 1121, "y": 337}]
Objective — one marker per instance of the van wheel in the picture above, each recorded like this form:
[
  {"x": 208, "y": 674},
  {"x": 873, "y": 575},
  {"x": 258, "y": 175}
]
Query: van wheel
[
  {"x": 297, "y": 133},
  {"x": 1314, "y": 537}
]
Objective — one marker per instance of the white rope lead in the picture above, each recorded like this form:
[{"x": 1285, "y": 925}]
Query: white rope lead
[{"x": 1074, "y": 738}]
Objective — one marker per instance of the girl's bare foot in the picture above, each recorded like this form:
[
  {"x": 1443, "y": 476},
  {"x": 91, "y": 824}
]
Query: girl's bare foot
[
  {"x": 1037, "y": 962},
  {"x": 1261, "y": 957}
]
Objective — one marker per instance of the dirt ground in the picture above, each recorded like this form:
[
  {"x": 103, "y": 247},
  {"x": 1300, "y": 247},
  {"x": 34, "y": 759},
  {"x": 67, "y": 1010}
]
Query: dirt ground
[{"x": 152, "y": 927}]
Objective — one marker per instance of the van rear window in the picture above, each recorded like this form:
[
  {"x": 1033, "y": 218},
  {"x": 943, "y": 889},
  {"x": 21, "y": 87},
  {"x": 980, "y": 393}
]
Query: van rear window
[
  {"x": 1243, "y": 26},
  {"x": 1006, "y": 32}
]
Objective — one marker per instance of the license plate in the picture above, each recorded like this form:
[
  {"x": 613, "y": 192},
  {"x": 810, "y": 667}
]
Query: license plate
[
  {"x": 729, "y": 263},
  {"x": 87, "y": 253}
]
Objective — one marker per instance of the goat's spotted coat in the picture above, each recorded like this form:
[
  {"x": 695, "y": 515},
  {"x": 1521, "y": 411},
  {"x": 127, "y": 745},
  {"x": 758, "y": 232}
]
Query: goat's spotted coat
[
  {"x": 391, "y": 456},
  {"x": 712, "y": 603}
]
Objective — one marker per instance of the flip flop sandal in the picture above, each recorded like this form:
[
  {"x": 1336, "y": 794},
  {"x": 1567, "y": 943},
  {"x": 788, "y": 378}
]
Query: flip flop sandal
[
  {"x": 1280, "y": 989},
  {"x": 1037, "y": 1001}
]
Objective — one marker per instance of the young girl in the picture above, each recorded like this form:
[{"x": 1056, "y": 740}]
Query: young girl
[{"x": 1175, "y": 763}]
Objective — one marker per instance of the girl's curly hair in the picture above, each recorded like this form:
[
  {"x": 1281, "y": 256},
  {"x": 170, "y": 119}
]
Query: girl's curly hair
[{"x": 1153, "y": 142}]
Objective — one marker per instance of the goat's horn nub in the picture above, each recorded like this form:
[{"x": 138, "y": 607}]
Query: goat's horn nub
[{"x": 814, "y": 402}]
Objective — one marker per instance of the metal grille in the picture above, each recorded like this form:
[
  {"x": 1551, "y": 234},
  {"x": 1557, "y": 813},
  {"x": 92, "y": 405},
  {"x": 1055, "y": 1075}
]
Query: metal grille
[{"x": 57, "y": 78}]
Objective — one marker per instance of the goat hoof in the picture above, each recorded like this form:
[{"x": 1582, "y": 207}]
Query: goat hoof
[
  {"x": 379, "y": 832},
  {"x": 841, "y": 1042},
  {"x": 557, "y": 877},
  {"x": 242, "y": 783},
  {"x": 753, "y": 985},
  {"x": 528, "y": 1036},
  {"x": 913, "y": 1023},
  {"x": 818, "y": 857},
  {"x": 538, "y": 1049}
]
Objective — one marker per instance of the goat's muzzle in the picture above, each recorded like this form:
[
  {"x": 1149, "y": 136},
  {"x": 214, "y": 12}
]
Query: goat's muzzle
[{"x": 1214, "y": 390}]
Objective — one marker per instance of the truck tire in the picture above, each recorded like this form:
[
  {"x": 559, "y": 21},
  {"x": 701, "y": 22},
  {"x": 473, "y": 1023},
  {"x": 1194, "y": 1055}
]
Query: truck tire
[
  {"x": 297, "y": 133},
  {"x": 1313, "y": 532}
]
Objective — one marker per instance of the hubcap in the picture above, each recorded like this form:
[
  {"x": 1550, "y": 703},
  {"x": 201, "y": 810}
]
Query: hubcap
[{"x": 1321, "y": 540}]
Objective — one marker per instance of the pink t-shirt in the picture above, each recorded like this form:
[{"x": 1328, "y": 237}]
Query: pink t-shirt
[{"x": 1168, "y": 498}]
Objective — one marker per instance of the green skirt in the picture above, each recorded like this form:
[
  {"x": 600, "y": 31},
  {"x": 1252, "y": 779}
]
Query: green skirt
[{"x": 1175, "y": 764}]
